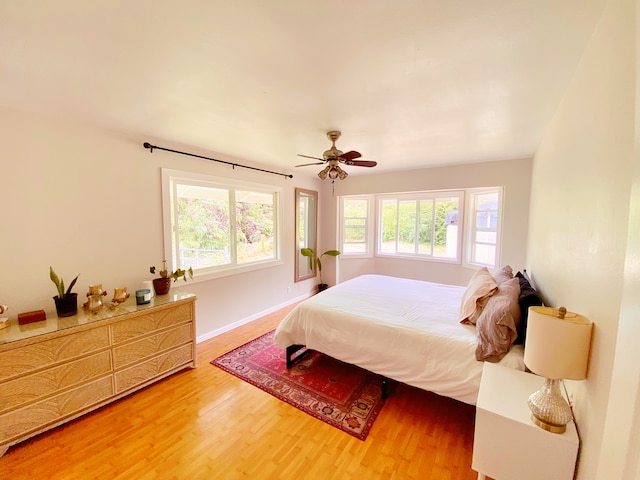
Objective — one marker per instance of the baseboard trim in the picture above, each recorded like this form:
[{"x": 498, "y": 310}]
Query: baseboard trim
[{"x": 244, "y": 321}]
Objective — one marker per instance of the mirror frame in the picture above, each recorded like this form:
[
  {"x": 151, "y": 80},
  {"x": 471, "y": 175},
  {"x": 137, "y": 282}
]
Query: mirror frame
[{"x": 306, "y": 221}]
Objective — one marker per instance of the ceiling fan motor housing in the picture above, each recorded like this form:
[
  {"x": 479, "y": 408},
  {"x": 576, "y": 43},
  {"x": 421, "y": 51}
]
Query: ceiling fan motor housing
[{"x": 332, "y": 153}]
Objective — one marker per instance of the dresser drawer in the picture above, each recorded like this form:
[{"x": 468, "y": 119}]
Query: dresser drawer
[
  {"x": 140, "y": 350},
  {"x": 38, "y": 355},
  {"x": 152, "y": 321},
  {"x": 145, "y": 371},
  {"x": 51, "y": 410},
  {"x": 32, "y": 387}
]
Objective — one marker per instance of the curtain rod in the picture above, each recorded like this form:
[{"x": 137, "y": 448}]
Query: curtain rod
[{"x": 234, "y": 165}]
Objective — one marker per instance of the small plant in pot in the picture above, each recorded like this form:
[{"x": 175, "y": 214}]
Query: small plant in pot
[
  {"x": 162, "y": 284},
  {"x": 314, "y": 259},
  {"x": 66, "y": 301}
]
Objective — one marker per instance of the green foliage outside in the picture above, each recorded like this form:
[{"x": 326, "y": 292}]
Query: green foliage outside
[
  {"x": 205, "y": 231},
  {"x": 399, "y": 222},
  {"x": 355, "y": 217},
  {"x": 254, "y": 231}
]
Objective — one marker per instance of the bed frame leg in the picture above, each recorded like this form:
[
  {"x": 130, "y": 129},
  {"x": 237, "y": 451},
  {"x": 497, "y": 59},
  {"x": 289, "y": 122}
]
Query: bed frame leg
[
  {"x": 291, "y": 354},
  {"x": 385, "y": 387}
]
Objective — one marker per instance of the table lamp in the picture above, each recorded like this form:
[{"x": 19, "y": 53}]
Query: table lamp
[{"x": 557, "y": 347}]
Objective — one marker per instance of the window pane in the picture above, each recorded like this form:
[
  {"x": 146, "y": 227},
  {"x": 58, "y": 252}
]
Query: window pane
[
  {"x": 486, "y": 237},
  {"x": 354, "y": 217},
  {"x": 216, "y": 227},
  {"x": 355, "y": 207},
  {"x": 255, "y": 226},
  {"x": 426, "y": 227},
  {"x": 202, "y": 221},
  {"x": 389, "y": 226},
  {"x": 487, "y": 219},
  {"x": 423, "y": 225},
  {"x": 485, "y": 254},
  {"x": 446, "y": 228},
  {"x": 355, "y": 222},
  {"x": 484, "y": 230},
  {"x": 354, "y": 233},
  {"x": 407, "y": 226}
]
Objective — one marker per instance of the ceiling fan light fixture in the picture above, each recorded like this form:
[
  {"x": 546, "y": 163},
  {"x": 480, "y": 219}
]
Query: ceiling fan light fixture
[
  {"x": 323, "y": 173},
  {"x": 333, "y": 172}
]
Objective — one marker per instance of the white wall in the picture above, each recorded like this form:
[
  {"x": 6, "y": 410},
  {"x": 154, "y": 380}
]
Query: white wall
[
  {"x": 620, "y": 453},
  {"x": 89, "y": 201},
  {"x": 514, "y": 175},
  {"x": 582, "y": 253}
]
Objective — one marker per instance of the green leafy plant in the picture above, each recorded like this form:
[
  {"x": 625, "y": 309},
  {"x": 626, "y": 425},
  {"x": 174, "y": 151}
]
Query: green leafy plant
[
  {"x": 314, "y": 259},
  {"x": 59, "y": 282},
  {"x": 179, "y": 273}
]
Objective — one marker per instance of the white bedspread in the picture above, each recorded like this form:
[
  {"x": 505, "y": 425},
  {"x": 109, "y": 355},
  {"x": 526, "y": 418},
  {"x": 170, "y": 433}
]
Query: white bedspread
[{"x": 403, "y": 329}]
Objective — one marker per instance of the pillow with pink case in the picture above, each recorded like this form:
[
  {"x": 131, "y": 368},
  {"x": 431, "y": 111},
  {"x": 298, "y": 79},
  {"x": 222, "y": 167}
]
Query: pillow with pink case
[
  {"x": 481, "y": 286},
  {"x": 504, "y": 274},
  {"x": 497, "y": 325}
]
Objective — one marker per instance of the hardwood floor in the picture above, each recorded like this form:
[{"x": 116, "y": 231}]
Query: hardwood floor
[{"x": 206, "y": 424}]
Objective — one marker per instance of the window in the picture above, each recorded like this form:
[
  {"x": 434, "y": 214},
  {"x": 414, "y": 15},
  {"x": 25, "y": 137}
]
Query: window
[
  {"x": 420, "y": 225},
  {"x": 214, "y": 226},
  {"x": 355, "y": 231},
  {"x": 426, "y": 225},
  {"x": 484, "y": 225}
]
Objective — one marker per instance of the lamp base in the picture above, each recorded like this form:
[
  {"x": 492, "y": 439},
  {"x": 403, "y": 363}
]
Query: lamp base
[
  {"x": 549, "y": 410},
  {"x": 548, "y": 426}
]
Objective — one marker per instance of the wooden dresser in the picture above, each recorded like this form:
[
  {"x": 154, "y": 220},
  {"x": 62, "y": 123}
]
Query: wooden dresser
[{"x": 61, "y": 368}]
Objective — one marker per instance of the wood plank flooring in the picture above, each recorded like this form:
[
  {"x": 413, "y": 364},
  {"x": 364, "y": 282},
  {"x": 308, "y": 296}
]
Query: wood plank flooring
[{"x": 204, "y": 423}]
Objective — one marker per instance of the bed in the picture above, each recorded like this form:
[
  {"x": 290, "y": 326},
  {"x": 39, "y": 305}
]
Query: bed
[{"x": 402, "y": 329}]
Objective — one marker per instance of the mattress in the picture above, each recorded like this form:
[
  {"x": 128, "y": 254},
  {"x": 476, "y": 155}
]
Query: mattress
[{"x": 406, "y": 330}]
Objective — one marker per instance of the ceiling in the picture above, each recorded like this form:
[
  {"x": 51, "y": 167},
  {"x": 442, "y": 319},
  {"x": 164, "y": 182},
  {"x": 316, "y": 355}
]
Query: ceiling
[{"x": 409, "y": 83}]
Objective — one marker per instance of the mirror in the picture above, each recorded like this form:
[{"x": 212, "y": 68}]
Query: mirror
[{"x": 306, "y": 231}]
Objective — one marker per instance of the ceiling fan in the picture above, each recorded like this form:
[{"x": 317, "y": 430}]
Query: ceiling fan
[{"x": 333, "y": 157}]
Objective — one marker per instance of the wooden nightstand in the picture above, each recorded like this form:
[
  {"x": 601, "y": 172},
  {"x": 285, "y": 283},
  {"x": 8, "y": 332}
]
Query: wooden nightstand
[{"x": 507, "y": 444}]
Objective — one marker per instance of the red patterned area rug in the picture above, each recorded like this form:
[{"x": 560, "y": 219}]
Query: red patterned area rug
[{"x": 340, "y": 394}]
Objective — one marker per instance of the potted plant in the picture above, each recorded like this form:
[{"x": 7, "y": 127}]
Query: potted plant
[
  {"x": 162, "y": 284},
  {"x": 314, "y": 259},
  {"x": 66, "y": 301}
]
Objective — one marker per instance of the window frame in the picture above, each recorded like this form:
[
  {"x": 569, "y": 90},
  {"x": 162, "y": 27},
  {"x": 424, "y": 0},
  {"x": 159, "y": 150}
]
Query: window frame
[
  {"x": 434, "y": 195},
  {"x": 470, "y": 230},
  {"x": 171, "y": 177},
  {"x": 369, "y": 230},
  {"x": 466, "y": 231}
]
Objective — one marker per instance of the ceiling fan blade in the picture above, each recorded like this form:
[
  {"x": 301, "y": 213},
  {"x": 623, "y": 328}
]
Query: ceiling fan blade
[
  {"x": 307, "y": 164},
  {"x": 307, "y": 156},
  {"x": 350, "y": 155},
  {"x": 361, "y": 163}
]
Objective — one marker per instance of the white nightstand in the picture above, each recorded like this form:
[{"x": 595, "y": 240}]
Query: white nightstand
[{"x": 507, "y": 444}]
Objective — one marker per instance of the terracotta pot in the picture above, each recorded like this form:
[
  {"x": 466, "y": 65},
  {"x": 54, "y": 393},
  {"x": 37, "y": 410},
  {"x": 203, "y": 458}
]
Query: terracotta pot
[
  {"x": 161, "y": 285},
  {"x": 66, "y": 306}
]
